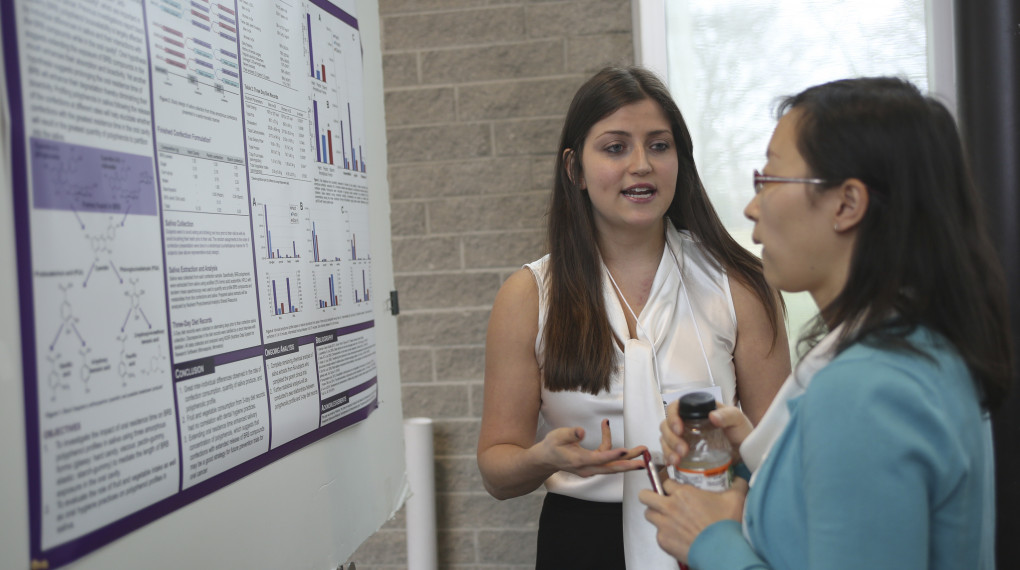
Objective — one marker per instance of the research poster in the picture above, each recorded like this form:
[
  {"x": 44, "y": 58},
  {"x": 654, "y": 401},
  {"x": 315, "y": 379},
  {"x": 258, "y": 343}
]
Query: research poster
[{"x": 195, "y": 271}]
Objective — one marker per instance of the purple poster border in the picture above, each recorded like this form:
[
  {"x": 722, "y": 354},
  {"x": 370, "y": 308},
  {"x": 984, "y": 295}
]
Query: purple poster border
[
  {"x": 21, "y": 198},
  {"x": 19, "y": 186},
  {"x": 85, "y": 544},
  {"x": 336, "y": 12}
]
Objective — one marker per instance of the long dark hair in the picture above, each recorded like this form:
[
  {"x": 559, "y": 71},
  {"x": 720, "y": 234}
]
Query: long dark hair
[
  {"x": 923, "y": 256},
  {"x": 579, "y": 351}
]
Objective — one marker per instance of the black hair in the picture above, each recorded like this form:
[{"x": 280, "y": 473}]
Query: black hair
[{"x": 923, "y": 255}]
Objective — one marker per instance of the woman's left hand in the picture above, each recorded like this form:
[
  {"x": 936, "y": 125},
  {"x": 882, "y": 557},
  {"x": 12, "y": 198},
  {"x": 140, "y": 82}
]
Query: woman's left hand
[{"x": 685, "y": 511}]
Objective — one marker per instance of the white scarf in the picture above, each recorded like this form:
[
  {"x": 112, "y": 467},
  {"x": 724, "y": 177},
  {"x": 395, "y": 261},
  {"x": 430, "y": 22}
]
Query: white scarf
[
  {"x": 758, "y": 443},
  {"x": 642, "y": 414}
]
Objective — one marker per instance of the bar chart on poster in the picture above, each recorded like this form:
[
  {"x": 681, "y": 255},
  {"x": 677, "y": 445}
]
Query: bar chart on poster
[
  {"x": 333, "y": 51},
  {"x": 192, "y": 192}
]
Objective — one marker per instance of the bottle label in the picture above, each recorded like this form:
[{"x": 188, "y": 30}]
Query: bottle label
[{"x": 712, "y": 479}]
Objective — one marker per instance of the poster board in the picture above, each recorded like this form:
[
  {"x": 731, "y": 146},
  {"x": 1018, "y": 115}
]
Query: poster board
[{"x": 308, "y": 499}]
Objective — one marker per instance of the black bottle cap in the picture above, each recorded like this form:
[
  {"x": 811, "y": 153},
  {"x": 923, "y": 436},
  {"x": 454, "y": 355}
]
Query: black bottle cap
[{"x": 696, "y": 405}]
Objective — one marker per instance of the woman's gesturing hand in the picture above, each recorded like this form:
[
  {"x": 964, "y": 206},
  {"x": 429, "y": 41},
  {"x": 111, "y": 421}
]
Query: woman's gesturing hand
[{"x": 561, "y": 450}]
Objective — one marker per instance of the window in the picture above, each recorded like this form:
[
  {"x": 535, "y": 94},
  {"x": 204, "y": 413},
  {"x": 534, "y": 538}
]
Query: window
[{"x": 729, "y": 61}]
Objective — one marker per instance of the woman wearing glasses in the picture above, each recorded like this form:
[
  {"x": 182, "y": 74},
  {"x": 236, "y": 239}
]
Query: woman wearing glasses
[
  {"x": 877, "y": 451},
  {"x": 643, "y": 296}
]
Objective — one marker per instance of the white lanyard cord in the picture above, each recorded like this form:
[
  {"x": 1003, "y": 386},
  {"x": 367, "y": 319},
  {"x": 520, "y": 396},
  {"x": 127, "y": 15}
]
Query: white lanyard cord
[
  {"x": 641, "y": 329},
  {"x": 690, "y": 307}
]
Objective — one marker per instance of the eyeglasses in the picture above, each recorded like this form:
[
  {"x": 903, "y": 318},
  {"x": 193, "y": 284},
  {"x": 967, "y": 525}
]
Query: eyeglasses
[{"x": 760, "y": 180}]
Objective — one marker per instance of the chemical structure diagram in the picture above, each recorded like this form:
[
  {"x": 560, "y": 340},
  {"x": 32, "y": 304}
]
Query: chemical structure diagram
[
  {"x": 93, "y": 289},
  {"x": 61, "y": 367},
  {"x": 135, "y": 309},
  {"x": 102, "y": 244},
  {"x": 68, "y": 322},
  {"x": 133, "y": 364},
  {"x": 69, "y": 351},
  {"x": 58, "y": 373}
]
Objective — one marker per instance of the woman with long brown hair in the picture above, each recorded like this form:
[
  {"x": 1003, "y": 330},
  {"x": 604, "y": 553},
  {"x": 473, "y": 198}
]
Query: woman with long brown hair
[{"x": 643, "y": 297}]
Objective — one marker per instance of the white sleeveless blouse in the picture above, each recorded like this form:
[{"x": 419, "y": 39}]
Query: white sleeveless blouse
[{"x": 668, "y": 320}]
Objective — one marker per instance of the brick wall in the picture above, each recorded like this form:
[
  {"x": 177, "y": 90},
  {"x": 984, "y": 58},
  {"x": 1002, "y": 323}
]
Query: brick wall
[{"x": 475, "y": 95}]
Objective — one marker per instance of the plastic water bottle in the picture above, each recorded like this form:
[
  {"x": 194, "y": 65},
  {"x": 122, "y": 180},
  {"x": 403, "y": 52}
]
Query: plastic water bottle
[{"x": 707, "y": 463}]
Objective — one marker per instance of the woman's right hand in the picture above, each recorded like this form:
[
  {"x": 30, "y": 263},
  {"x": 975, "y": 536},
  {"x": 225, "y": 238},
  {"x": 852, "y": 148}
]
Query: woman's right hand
[
  {"x": 730, "y": 419},
  {"x": 561, "y": 450},
  {"x": 511, "y": 460}
]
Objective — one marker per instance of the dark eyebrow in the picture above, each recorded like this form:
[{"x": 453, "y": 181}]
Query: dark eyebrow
[
  {"x": 617, "y": 133},
  {"x": 659, "y": 132}
]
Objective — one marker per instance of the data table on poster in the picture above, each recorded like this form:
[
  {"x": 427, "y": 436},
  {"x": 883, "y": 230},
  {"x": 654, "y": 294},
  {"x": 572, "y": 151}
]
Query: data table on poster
[
  {"x": 276, "y": 139},
  {"x": 223, "y": 176}
]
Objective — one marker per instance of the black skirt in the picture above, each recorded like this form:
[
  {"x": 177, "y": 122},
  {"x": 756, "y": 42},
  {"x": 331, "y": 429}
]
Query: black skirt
[{"x": 578, "y": 534}]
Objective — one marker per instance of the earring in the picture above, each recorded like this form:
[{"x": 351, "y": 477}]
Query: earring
[{"x": 835, "y": 227}]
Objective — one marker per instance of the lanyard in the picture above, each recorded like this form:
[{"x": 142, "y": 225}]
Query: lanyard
[{"x": 641, "y": 330}]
